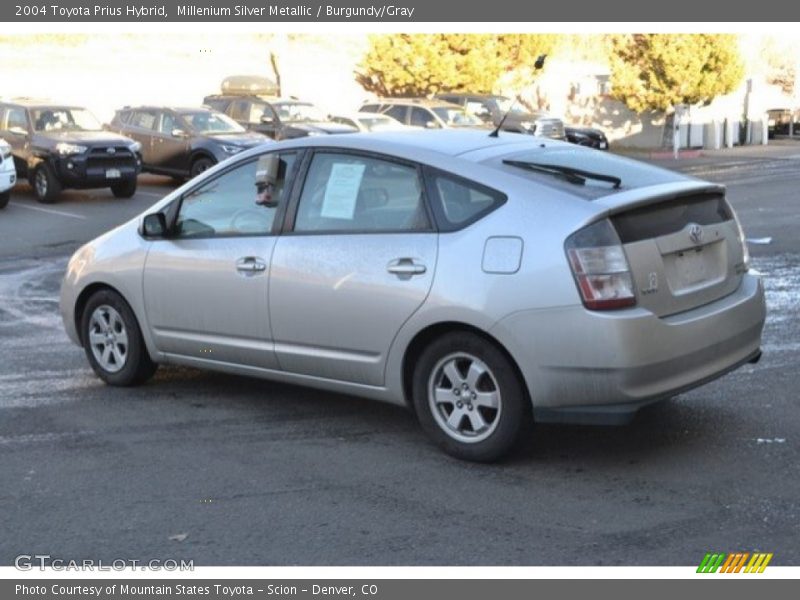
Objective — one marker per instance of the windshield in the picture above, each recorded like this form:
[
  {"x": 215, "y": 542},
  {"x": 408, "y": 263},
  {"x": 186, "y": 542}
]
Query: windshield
[
  {"x": 64, "y": 119},
  {"x": 299, "y": 111},
  {"x": 209, "y": 122},
  {"x": 456, "y": 117}
]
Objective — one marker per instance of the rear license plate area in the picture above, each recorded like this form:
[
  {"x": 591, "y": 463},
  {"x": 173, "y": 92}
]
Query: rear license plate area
[{"x": 691, "y": 267}]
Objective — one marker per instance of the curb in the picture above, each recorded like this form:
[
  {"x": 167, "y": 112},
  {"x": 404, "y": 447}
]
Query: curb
[{"x": 661, "y": 155}]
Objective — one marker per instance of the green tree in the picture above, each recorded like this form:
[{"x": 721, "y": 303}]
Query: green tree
[
  {"x": 424, "y": 64},
  {"x": 654, "y": 72}
]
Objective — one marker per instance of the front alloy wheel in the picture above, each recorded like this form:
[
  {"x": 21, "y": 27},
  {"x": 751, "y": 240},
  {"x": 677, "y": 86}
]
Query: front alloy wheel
[
  {"x": 113, "y": 341},
  {"x": 45, "y": 184},
  {"x": 108, "y": 338}
]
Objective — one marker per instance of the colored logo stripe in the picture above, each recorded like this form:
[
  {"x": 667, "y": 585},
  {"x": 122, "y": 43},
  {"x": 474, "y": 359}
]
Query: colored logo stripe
[{"x": 734, "y": 563}]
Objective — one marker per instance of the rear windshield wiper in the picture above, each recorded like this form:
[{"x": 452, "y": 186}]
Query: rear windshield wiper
[{"x": 576, "y": 176}]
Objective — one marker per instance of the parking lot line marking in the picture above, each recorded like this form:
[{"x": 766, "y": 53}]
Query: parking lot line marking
[{"x": 48, "y": 210}]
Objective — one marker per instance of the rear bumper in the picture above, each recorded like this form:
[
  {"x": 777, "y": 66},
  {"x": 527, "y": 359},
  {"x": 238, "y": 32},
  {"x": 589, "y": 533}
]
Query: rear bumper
[{"x": 591, "y": 366}]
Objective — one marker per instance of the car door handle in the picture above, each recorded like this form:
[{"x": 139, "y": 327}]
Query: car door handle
[
  {"x": 405, "y": 267},
  {"x": 250, "y": 264}
]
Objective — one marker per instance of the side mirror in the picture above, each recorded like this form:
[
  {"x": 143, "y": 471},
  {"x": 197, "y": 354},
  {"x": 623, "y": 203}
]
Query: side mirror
[
  {"x": 178, "y": 133},
  {"x": 154, "y": 225},
  {"x": 267, "y": 173},
  {"x": 18, "y": 131},
  {"x": 431, "y": 125},
  {"x": 267, "y": 119}
]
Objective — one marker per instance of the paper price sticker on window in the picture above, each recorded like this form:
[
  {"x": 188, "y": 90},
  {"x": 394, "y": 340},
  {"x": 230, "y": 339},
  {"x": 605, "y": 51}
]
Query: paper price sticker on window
[{"x": 341, "y": 192}]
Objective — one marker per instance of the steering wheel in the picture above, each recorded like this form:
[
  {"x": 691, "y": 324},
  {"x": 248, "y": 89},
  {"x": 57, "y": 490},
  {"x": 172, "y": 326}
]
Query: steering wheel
[{"x": 250, "y": 220}]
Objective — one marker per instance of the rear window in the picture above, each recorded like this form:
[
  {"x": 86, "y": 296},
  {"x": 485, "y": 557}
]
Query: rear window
[
  {"x": 458, "y": 202},
  {"x": 671, "y": 216},
  {"x": 633, "y": 174}
]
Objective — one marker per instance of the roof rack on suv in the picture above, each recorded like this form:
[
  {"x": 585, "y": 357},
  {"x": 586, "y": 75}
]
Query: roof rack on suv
[{"x": 248, "y": 85}]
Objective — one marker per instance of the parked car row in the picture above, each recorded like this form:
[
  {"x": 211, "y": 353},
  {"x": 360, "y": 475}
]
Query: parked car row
[{"x": 57, "y": 147}]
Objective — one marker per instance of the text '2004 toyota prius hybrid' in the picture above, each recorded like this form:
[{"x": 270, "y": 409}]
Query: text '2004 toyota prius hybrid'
[{"x": 484, "y": 282}]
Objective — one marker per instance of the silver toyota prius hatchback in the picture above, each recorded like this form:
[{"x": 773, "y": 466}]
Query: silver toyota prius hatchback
[{"x": 484, "y": 282}]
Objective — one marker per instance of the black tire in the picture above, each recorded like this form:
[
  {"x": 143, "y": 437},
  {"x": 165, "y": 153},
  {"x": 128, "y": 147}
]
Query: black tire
[
  {"x": 505, "y": 425},
  {"x": 136, "y": 367},
  {"x": 4, "y": 198},
  {"x": 201, "y": 164},
  {"x": 45, "y": 184},
  {"x": 124, "y": 189}
]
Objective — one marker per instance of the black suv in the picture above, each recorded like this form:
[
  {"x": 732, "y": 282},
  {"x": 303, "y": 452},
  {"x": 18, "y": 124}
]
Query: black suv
[
  {"x": 183, "y": 142},
  {"x": 280, "y": 119},
  {"x": 58, "y": 146}
]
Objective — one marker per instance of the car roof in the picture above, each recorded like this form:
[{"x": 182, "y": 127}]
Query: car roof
[
  {"x": 447, "y": 142},
  {"x": 271, "y": 99},
  {"x": 468, "y": 95},
  {"x": 177, "y": 109},
  {"x": 425, "y": 102},
  {"x": 357, "y": 114},
  {"x": 36, "y": 103}
]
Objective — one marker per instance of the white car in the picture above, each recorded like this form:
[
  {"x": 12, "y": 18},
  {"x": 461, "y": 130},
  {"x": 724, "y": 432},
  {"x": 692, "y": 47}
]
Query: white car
[
  {"x": 8, "y": 174},
  {"x": 369, "y": 121}
]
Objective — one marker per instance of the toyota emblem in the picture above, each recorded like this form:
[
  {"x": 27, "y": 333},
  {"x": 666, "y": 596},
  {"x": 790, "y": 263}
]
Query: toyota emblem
[
  {"x": 695, "y": 233},
  {"x": 111, "y": 150}
]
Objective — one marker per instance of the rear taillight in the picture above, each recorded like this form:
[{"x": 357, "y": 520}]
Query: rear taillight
[
  {"x": 600, "y": 267},
  {"x": 743, "y": 241}
]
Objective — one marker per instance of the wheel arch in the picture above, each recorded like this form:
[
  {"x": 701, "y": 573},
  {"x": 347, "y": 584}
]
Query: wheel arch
[
  {"x": 426, "y": 335},
  {"x": 199, "y": 153},
  {"x": 83, "y": 298}
]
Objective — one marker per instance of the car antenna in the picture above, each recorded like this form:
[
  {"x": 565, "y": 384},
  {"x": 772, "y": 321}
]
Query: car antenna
[{"x": 538, "y": 65}]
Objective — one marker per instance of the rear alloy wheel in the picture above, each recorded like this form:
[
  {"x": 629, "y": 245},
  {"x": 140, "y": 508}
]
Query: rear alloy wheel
[
  {"x": 468, "y": 397},
  {"x": 124, "y": 189},
  {"x": 46, "y": 184},
  {"x": 113, "y": 341},
  {"x": 200, "y": 165}
]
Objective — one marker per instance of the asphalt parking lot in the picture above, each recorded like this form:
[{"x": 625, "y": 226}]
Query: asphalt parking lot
[{"x": 226, "y": 470}]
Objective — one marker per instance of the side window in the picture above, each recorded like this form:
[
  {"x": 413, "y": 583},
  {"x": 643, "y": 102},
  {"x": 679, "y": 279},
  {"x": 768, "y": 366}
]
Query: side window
[
  {"x": 397, "y": 112},
  {"x": 240, "y": 111},
  {"x": 461, "y": 201},
  {"x": 167, "y": 123},
  {"x": 344, "y": 121},
  {"x": 373, "y": 108},
  {"x": 216, "y": 103},
  {"x": 344, "y": 192},
  {"x": 144, "y": 119},
  {"x": 259, "y": 110},
  {"x": 420, "y": 117},
  {"x": 235, "y": 203},
  {"x": 479, "y": 109},
  {"x": 15, "y": 118}
]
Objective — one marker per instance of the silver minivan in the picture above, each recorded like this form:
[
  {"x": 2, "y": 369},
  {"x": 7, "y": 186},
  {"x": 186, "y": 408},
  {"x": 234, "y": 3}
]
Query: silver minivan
[{"x": 484, "y": 282}]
